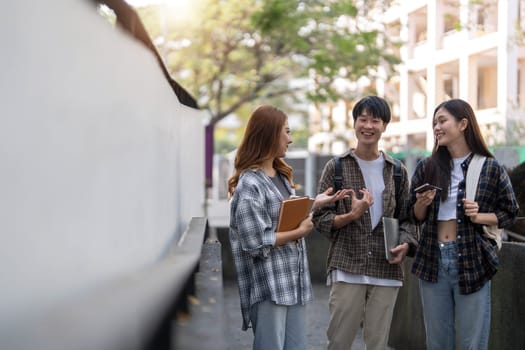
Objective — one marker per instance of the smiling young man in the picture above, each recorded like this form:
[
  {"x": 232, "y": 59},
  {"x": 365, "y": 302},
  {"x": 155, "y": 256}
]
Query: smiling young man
[{"x": 364, "y": 285}]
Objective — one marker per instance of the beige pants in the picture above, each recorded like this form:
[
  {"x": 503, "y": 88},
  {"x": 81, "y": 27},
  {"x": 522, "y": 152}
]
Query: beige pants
[{"x": 352, "y": 303}]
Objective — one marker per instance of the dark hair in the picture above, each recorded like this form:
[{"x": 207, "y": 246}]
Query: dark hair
[
  {"x": 439, "y": 166},
  {"x": 373, "y": 105},
  {"x": 261, "y": 141}
]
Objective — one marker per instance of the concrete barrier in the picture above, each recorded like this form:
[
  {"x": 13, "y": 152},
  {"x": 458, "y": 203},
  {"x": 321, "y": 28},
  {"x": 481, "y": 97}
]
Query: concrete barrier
[
  {"x": 508, "y": 306},
  {"x": 102, "y": 166},
  {"x": 204, "y": 327},
  {"x": 133, "y": 312}
]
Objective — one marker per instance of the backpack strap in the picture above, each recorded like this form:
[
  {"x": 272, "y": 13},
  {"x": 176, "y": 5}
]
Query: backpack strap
[
  {"x": 473, "y": 172},
  {"x": 338, "y": 177}
]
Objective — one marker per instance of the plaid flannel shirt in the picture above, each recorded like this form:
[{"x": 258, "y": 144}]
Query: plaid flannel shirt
[
  {"x": 357, "y": 248},
  {"x": 264, "y": 272},
  {"x": 477, "y": 255}
]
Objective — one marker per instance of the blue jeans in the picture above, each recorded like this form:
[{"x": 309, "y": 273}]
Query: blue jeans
[
  {"x": 447, "y": 312},
  {"x": 278, "y": 327}
]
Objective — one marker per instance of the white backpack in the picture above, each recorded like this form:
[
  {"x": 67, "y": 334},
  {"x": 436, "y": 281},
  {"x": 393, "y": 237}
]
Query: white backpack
[{"x": 473, "y": 172}]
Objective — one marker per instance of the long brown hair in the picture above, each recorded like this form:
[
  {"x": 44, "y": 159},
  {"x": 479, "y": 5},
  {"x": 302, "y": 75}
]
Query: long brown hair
[
  {"x": 261, "y": 141},
  {"x": 439, "y": 166}
]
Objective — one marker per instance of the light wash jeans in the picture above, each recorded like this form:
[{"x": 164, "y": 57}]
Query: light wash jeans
[
  {"x": 447, "y": 312},
  {"x": 278, "y": 327}
]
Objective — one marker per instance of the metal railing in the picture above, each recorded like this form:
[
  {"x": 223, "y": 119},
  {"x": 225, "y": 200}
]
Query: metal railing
[{"x": 134, "y": 312}]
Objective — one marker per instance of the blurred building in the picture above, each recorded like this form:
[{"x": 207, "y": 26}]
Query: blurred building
[{"x": 465, "y": 49}]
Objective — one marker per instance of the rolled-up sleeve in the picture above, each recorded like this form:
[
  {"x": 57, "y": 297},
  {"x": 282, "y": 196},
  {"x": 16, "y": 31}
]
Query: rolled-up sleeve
[
  {"x": 323, "y": 218},
  {"x": 507, "y": 206},
  {"x": 254, "y": 227}
]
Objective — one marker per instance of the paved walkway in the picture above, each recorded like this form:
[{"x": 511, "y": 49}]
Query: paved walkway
[{"x": 317, "y": 313}]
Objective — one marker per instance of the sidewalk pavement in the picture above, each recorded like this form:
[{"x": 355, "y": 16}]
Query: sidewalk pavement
[{"x": 317, "y": 313}]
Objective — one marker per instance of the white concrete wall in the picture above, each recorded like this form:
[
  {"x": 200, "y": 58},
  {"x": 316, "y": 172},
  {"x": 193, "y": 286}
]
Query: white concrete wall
[{"x": 101, "y": 167}]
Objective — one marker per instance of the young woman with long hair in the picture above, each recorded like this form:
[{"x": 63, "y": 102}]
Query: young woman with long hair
[
  {"x": 455, "y": 261},
  {"x": 272, "y": 267}
]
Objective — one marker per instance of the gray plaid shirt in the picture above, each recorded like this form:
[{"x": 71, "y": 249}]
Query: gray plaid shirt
[
  {"x": 264, "y": 272},
  {"x": 356, "y": 248}
]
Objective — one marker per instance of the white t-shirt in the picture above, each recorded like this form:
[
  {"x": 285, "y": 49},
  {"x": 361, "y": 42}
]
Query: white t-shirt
[
  {"x": 447, "y": 209},
  {"x": 372, "y": 171}
]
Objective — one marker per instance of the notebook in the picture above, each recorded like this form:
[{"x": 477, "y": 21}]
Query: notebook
[
  {"x": 292, "y": 212},
  {"x": 391, "y": 234}
]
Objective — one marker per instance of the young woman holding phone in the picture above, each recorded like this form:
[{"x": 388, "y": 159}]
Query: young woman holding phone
[{"x": 454, "y": 261}]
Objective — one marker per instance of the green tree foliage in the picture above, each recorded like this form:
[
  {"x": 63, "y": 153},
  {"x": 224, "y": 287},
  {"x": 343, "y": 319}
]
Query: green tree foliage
[{"x": 239, "y": 52}]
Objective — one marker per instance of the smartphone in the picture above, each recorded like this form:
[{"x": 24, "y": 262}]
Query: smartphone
[{"x": 426, "y": 187}]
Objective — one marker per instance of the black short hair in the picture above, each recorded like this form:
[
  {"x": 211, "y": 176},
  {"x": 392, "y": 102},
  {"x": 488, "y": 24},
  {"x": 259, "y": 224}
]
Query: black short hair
[{"x": 374, "y": 105}]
